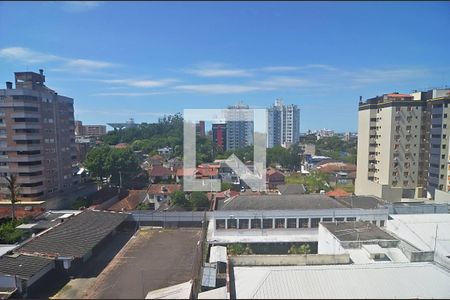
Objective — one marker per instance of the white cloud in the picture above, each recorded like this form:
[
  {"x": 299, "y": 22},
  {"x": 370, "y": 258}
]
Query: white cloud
[
  {"x": 286, "y": 82},
  {"x": 79, "y": 6},
  {"x": 141, "y": 83},
  {"x": 63, "y": 64},
  {"x": 127, "y": 94},
  {"x": 367, "y": 76},
  {"x": 218, "y": 70},
  {"x": 297, "y": 68},
  {"x": 26, "y": 55},
  {"x": 221, "y": 88}
]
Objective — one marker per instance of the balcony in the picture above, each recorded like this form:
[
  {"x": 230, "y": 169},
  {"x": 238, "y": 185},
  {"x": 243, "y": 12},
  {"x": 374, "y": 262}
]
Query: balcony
[{"x": 30, "y": 179}]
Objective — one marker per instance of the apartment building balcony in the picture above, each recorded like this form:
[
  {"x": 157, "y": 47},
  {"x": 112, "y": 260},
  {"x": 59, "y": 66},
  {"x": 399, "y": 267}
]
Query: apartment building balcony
[
  {"x": 26, "y": 168},
  {"x": 32, "y": 190},
  {"x": 26, "y": 114},
  {"x": 30, "y": 179},
  {"x": 26, "y": 126},
  {"x": 25, "y": 158},
  {"x": 6, "y": 104},
  {"x": 27, "y": 136}
]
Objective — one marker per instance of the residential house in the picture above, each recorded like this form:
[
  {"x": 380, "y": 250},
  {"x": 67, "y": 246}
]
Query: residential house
[
  {"x": 159, "y": 194},
  {"x": 158, "y": 173},
  {"x": 274, "y": 178}
]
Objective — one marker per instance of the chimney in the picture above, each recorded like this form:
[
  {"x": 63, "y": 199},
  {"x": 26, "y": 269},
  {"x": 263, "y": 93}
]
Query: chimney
[
  {"x": 41, "y": 71},
  {"x": 9, "y": 85}
]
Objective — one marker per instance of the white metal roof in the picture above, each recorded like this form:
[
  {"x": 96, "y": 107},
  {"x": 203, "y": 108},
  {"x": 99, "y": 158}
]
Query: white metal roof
[
  {"x": 420, "y": 231},
  {"x": 219, "y": 293},
  {"x": 396, "y": 280},
  {"x": 178, "y": 291},
  {"x": 209, "y": 275},
  {"x": 218, "y": 254},
  {"x": 5, "y": 248},
  {"x": 360, "y": 256}
]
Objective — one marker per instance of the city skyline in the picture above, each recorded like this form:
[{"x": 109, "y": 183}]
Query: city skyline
[{"x": 146, "y": 65}]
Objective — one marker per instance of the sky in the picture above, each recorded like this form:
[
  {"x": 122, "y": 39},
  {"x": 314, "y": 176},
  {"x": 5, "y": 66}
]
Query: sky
[{"x": 149, "y": 59}]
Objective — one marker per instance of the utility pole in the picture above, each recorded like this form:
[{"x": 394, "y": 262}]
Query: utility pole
[{"x": 120, "y": 181}]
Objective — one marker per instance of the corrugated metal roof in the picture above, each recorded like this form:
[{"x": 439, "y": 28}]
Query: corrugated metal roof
[
  {"x": 218, "y": 254},
  {"x": 402, "y": 280}
]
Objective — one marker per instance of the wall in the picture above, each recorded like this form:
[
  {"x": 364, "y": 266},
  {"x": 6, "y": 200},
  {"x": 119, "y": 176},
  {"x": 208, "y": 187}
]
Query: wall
[
  {"x": 328, "y": 243},
  {"x": 441, "y": 196},
  {"x": 289, "y": 260}
]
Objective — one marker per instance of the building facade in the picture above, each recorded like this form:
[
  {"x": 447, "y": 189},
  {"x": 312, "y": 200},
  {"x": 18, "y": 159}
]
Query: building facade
[
  {"x": 89, "y": 130},
  {"x": 219, "y": 135},
  {"x": 403, "y": 145},
  {"x": 37, "y": 142},
  {"x": 283, "y": 124},
  {"x": 239, "y": 127}
]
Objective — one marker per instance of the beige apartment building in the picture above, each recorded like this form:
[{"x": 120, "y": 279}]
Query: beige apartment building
[
  {"x": 89, "y": 130},
  {"x": 37, "y": 141},
  {"x": 391, "y": 147},
  {"x": 403, "y": 145}
]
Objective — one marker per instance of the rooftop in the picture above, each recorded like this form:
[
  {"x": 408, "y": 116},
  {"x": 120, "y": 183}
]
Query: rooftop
[
  {"x": 357, "y": 231},
  {"x": 279, "y": 202},
  {"x": 365, "y": 202},
  {"x": 291, "y": 189},
  {"x": 396, "y": 280},
  {"x": 25, "y": 266},
  {"x": 130, "y": 202},
  {"x": 76, "y": 236}
]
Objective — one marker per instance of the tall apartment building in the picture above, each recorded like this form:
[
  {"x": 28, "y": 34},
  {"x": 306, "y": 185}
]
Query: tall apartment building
[
  {"x": 283, "y": 124},
  {"x": 403, "y": 145},
  {"x": 37, "y": 141},
  {"x": 239, "y": 127},
  {"x": 219, "y": 135},
  {"x": 200, "y": 128}
]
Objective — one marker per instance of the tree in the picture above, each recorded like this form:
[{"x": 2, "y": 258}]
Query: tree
[
  {"x": 178, "y": 198},
  {"x": 116, "y": 164},
  {"x": 302, "y": 249},
  {"x": 239, "y": 249},
  {"x": 226, "y": 186},
  {"x": 199, "y": 201},
  {"x": 14, "y": 191}
]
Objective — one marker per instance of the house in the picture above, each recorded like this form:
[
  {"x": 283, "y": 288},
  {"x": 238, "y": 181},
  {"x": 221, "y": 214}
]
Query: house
[
  {"x": 129, "y": 202},
  {"x": 158, "y": 173},
  {"x": 165, "y": 151},
  {"x": 274, "y": 178},
  {"x": 121, "y": 146},
  {"x": 160, "y": 193}
]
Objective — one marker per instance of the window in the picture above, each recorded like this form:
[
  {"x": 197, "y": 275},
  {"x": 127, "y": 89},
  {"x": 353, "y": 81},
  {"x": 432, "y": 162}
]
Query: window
[
  {"x": 291, "y": 223},
  {"x": 232, "y": 223},
  {"x": 243, "y": 223},
  {"x": 339, "y": 219},
  {"x": 327, "y": 219},
  {"x": 351, "y": 219},
  {"x": 303, "y": 223},
  {"x": 279, "y": 223},
  {"x": 315, "y": 222},
  {"x": 255, "y": 223},
  {"x": 267, "y": 223}
]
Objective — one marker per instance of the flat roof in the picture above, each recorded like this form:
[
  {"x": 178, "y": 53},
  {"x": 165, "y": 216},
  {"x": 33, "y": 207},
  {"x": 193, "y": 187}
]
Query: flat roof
[
  {"x": 25, "y": 266},
  {"x": 365, "y": 202},
  {"x": 357, "y": 231},
  {"x": 426, "y": 232},
  {"x": 394, "y": 280},
  {"x": 279, "y": 202},
  {"x": 76, "y": 236}
]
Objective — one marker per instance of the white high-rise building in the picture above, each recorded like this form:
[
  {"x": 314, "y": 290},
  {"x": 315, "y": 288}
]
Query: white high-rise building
[{"x": 283, "y": 124}]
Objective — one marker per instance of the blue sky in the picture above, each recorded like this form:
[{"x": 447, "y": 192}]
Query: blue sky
[{"x": 146, "y": 59}]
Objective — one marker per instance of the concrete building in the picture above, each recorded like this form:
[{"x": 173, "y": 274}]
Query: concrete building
[
  {"x": 403, "y": 145},
  {"x": 391, "y": 147},
  {"x": 200, "y": 128},
  {"x": 219, "y": 133},
  {"x": 239, "y": 127},
  {"x": 283, "y": 124},
  {"x": 89, "y": 130},
  {"x": 37, "y": 141}
]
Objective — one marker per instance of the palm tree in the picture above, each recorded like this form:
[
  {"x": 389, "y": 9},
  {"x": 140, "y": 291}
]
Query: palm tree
[{"x": 14, "y": 191}]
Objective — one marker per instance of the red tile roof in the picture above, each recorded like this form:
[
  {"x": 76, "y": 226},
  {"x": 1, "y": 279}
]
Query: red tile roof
[
  {"x": 163, "y": 189},
  {"x": 121, "y": 146},
  {"x": 338, "y": 193},
  {"x": 399, "y": 95},
  {"x": 159, "y": 171},
  {"x": 129, "y": 202},
  {"x": 336, "y": 167}
]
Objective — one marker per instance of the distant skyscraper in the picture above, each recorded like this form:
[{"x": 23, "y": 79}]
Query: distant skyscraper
[
  {"x": 200, "y": 128},
  {"x": 283, "y": 125},
  {"x": 219, "y": 133},
  {"x": 239, "y": 128},
  {"x": 37, "y": 141}
]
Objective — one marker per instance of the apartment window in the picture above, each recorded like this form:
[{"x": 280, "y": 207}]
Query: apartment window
[
  {"x": 444, "y": 136},
  {"x": 408, "y": 127},
  {"x": 442, "y": 167},
  {"x": 444, "y": 126},
  {"x": 397, "y": 109},
  {"x": 442, "y": 176},
  {"x": 325, "y": 219},
  {"x": 339, "y": 219},
  {"x": 232, "y": 224},
  {"x": 406, "y": 182},
  {"x": 445, "y": 115},
  {"x": 444, "y": 146},
  {"x": 443, "y": 156},
  {"x": 291, "y": 223},
  {"x": 351, "y": 219}
]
